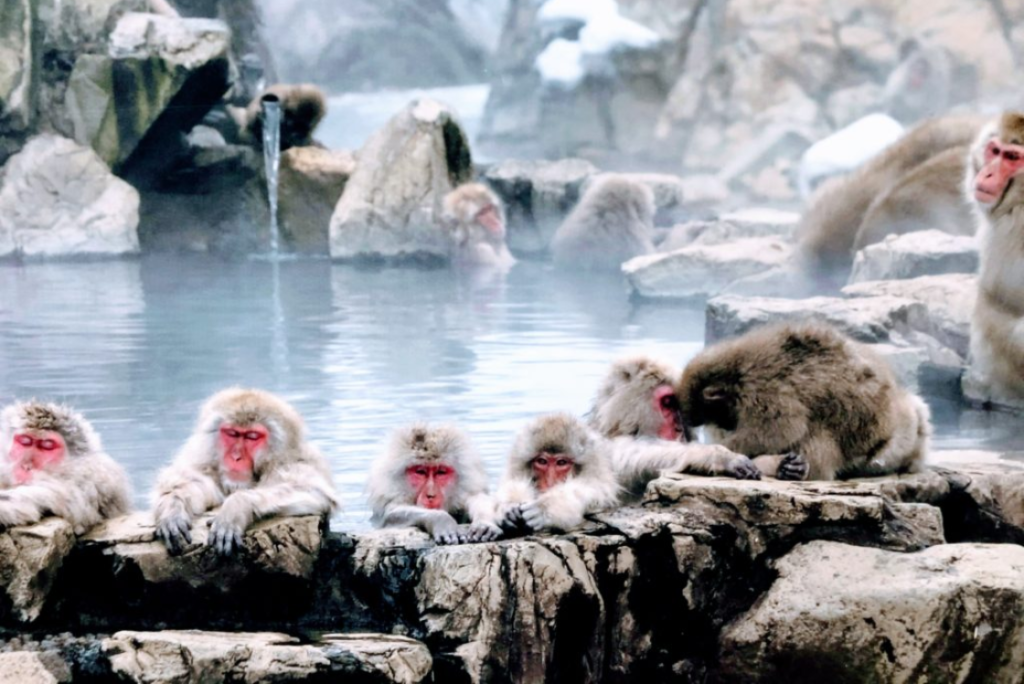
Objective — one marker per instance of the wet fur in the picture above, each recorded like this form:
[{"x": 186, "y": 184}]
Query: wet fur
[
  {"x": 303, "y": 107},
  {"x": 472, "y": 243}
]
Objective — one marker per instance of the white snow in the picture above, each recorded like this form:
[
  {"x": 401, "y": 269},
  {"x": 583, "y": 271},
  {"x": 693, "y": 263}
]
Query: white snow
[
  {"x": 561, "y": 62},
  {"x": 605, "y": 32},
  {"x": 579, "y": 10},
  {"x": 847, "y": 148}
]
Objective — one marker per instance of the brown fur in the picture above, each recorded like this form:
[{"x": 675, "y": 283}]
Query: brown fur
[
  {"x": 471, "y": 242},
  {"x": 85, "y": 488},
  {"x": 997, "y": 342},
  {"x": 290, "y": 475},
  {"x": 805, "y": 388},
  {"x": 829, "y": 227},
  {"x": 613, "y": 222},
  {"x": 393, "y": 502},
  {"x": 303, "y": 106}
]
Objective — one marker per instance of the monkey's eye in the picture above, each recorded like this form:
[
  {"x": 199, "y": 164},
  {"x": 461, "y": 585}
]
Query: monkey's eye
[
  {"x": 47, "y": 444},
  {"x": 1011, "y": 156},
  {"x": 441, "y": 471},
  {"x": 421, "y": 471},
  {"x": 992, "y": 151},
  {"x": 563, "y": 462},
  {"x": 24, "y": 440},
  {"x": 252, "y": 435},
  {"x": 541, "y": 461},
  {"x": 669, "y": 401},
  {"x": 233, "y": 434}
]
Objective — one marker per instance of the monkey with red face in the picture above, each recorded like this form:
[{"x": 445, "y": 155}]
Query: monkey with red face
[
  {"x": 431, "y": 477},
  {"x": 249, "y": 456},
  {"x": 54, "y": 464},
  {"x": 475, "y": 221}
]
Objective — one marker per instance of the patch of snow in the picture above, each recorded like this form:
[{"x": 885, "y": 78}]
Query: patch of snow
[
  {"x": 561, "y": 62},
  {"x": 605, "y": 32},
  {"x": 846, "y": 149},
  {"x": 578, "y": 10}
]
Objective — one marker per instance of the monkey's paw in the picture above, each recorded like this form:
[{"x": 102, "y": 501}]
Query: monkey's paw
[
  {"x": 511, "y": 520},
  {"x": 225, "y": 536},
  {"x": 175, "y": 531},
  {"x": 793, "y": 466},
  {"x": 482, "y": 532},
  {"x": 535, "y": 517},
  {"x": 446, "y": 531},
  {"x": 742, "y": 468}
]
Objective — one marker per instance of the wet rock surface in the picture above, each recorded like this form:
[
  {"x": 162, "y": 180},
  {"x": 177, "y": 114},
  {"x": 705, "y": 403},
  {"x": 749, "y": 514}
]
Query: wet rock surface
[
  {"x": 30, "y": 558},
  {"x": 923, "y": 253}
]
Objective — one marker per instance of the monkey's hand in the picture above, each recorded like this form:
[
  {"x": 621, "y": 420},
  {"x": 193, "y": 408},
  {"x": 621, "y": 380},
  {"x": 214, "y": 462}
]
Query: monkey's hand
[
  {"x": 229, "y": 524},
  {"x": 445, "y": 530},
  {"x": 481, "y": 532},
  {"x": 793, "y": 466},
  {"x": 175, "y": 531},
  {"x": 742, "y": 468},
  {"x": 535, "y": 517},
  {"x": 510, "y": 518}
]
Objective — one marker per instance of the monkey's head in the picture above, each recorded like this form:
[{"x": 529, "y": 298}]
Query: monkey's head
[
  {"x": 474, "y": 208},
  {"x": 709, "y": 392},
  {"x": 247, "y": 430},
  {"x": 37, "y": 436},
  {"x": 303, "y": 106},
  {"x": 999, "y": 161},
  {"x": 638, "y": 399},
  {"x": 555, "y": 448},
  {"x": 614, "y": 193}
]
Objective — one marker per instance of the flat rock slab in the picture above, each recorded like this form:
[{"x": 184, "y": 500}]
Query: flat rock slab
[
  {"x": 24, "y": 668},
  {"x": 922, "y": 253},
  {"x": 30, "y": 557},
  {"x": 841, "y": 613},
  {"x": 192, "y": 656}
]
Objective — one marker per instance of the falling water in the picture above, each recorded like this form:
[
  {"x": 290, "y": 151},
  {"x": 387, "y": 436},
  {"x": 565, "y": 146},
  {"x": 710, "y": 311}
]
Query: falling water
[{"x": 271, "y": 161}]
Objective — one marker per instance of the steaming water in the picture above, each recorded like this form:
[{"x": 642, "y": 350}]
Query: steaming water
[
  {"x": 138, "y": 345},
  {"x": 272, "y": 162}
]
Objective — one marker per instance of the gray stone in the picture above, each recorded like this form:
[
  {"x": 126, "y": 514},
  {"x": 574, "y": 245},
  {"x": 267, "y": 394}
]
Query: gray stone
[
  {"x": 391, "y": 206},
  {"x": 730, "y": 227},
  {"x": 24, "y": 668},
  {"x": 922, "y": 253},
  {"x": 29, "y": 559},
  {"x": 702, "y": 271},
  {"x": 58, "y": 199},
  {"x": 17, "y": 66},
  {"x": 845, "y": 613},
  {"x": 311, "y": 182}
]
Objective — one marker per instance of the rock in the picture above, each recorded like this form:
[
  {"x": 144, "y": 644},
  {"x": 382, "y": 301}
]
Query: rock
[
  {"x": 922, "y": 253},
  {"x": 844, "y": 613},
  {"x": 194, "y": 656},
  {"x": 949, "y": 300},
  {"x": 392, "y": 203},
  {"x": 310, "y": 184},
  {"x": 538, "y": 195},
  {"x": 705, "y": 189},
  {"x": 788, "y": 281},
  {"x": 748, "y": 223},
  {"x": 978, "y": 392},
  {"x": 29, "y": 559},
  {"x": 59, "y": 199},
  {"x": 868, "y": 319},
  {"x": 17, "y": 69},
  {"x": 168, "y": 73},
  {"x": 24, "y": 668},
  {"x": 702, "y": 271}
]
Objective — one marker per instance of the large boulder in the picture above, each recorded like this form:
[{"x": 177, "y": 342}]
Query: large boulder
[
  {"x": 24, "y": 668},
  {"x": 538, "y": 195},
  {"x": 310, "y": 184},
  {"x": 391, "y": 206},
  {"x": 17, "y": 70},
  {"x": 30, "y": 557},
  {"x": 58, "y": 199},
  {"x": 845, "y": 613},
  {"x": 912, "y": 255}
]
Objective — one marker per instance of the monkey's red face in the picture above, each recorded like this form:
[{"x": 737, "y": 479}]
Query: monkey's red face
[
  {"x": 240, "y": 445},
  {"x": 551, "y": 469},
  {"x": 35, "y": 451},
  {"x": 1002, "y": 162},
  {"x": 666, "y": 403},
  {"x": 431, "y": 484},
  {"x": 490, "y": 218}
]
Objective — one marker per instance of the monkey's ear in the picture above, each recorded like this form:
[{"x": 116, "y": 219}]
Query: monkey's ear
[{"x": 715, "y": 394}]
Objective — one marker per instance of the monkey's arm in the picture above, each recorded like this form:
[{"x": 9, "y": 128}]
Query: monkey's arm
[
  {"x": 636, "y": 462},
  {"x": 440, "y": 525},
  {"x": 27, "y": 504},
  {"x": 482, "y": 510},
  {"x": 564, "y": 506},
  {"x": 791, "y": 466},
  {"x": 182, "y": 492}
]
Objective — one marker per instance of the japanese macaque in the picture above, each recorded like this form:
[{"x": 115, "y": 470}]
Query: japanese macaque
[
  {"x": 431, "y": 477},
  {"x": 830, "y": 226},
  {"x": 54, "y": 464},
  {"x": 803, "y": 389},
  {"x": 613, "y": 222},
  {"x": 994, "y": 184},
  {"x": 248, "y": 455},
  {"x": 560, "y": 469},
  {"x": 475, "y": 220},
  {"x": 303, "y": 106}
]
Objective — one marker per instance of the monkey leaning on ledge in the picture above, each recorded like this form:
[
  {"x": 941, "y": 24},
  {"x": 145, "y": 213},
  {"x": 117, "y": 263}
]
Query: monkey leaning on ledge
[
  {"x": 303, "y": 107},
  {"x": 803, "y": 389}
]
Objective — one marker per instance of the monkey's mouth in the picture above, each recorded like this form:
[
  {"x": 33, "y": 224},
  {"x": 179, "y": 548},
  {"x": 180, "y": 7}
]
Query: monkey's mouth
[{"x": 985, "y": 197}]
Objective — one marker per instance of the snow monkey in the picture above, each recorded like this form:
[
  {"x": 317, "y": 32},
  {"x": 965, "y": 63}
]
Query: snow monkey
[
  {"x": 613, "y": 222},
  {"x": 804, "y": 389},
  {"x": 995, "y": 186},
  {"x": 832, "y": 223},
  {"x": 559, "y": 470},
  {"x": 54, "y": 464},
  {"x": 303, "y": 105},
  {"x": 431, "y": 477},
  {"x": 248, "y": 454},
  {"x": 475, "y": 219}
]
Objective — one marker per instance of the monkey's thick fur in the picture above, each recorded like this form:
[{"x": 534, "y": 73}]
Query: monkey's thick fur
[
  {"x": 290, "y": 477},
  {"x": 806, "y": 388},
  {"x": 303, "y": 106},
  {"x": 623, "y": 406},
  {"x": 85, "y": 488}
]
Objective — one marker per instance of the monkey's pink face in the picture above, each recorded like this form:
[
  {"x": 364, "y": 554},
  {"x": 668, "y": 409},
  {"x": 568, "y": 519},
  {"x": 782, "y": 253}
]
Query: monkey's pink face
[
  {"x": 490, "y": 218},
  {"x": 240, "y": 446},
  {"x": 666, "y": 403},
  {"x": 1002, "y": 163},
  {"x": 431, "y": 483},
  {"x": 35, "y": 451},
  {"x": 550, "y": 470}
]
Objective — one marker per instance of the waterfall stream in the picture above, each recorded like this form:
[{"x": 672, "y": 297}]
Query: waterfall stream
[{"x": 272, "y": 161}]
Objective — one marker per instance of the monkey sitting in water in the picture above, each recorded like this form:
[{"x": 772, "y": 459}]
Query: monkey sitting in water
[{"x": 794, "y": 390}]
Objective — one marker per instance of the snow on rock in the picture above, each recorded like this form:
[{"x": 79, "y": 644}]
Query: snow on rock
[
  {"x": 847, "y": 149},
  {"x": 606, "y": 32},
  {"x": 578, "y": 10},
  {"x": 561, "y": 63}
]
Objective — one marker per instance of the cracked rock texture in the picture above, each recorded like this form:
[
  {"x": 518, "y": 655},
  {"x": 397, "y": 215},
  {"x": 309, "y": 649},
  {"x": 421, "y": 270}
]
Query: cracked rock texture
[{"x": 30, "y": 557}]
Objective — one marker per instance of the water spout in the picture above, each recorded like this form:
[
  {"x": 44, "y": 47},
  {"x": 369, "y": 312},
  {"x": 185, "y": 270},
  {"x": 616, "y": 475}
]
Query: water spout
[{"x": 271, "y": 160}]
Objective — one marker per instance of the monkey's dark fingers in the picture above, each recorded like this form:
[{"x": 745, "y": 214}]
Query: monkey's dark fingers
[
  {"x": 224, "y": 538},
  {"x": 744, "y": 469},
  {"x": 793, "y": 467},
  {"x": 484, "y": 532},
  {"x": 534, "y": 518},
  {"x": 175, "y": 532}
]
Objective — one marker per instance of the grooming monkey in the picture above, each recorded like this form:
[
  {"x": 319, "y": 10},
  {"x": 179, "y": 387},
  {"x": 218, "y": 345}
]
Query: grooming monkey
[
  {"x": 995, "y": 188},
  {"x": 804, "y": 389},
  {"x": 303, "y": 106},
  {"x": 248, "y": 455},
  {"x": 431, "y": 477},
  {"x": 613, "y": 222},
  {"x": 475, "y": 221},
  {"x": 55, "y": 465}
]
